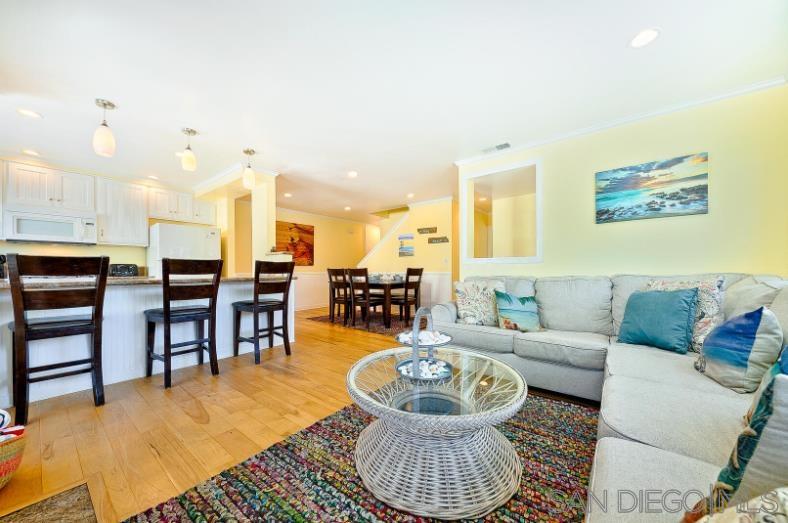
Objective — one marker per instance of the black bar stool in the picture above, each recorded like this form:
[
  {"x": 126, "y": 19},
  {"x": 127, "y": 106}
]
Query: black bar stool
[
  {"x": 25, "y": 330},
  {"x": 269, "y": 278},
  {"x": 178, "y": 290}
]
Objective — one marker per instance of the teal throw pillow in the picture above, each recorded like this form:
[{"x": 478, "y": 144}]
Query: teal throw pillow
[
  {"x": 662, "y": 319},
  {"x": 517, "y": 313}
]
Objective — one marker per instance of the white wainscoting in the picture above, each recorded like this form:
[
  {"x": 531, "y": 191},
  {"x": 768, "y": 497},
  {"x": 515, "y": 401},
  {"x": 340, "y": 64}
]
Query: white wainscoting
[{"x": 312, "y": 289}]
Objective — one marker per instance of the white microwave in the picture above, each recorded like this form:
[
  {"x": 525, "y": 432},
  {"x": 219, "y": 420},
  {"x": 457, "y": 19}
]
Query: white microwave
[{"x": 36, "y": 227}]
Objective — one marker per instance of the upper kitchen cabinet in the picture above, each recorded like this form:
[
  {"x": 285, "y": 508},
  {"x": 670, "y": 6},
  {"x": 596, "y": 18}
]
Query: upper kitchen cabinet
[
  {"x": 170, "y": 205},
  {"x": 180, "y": 206},
  {"x": 204, "y": 212},
  {"x": 122, "y": 213},
  {"x": 39, "y": 188}
]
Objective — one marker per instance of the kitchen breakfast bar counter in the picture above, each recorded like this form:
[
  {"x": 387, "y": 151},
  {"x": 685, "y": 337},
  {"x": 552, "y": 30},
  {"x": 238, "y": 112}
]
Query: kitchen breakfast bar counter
[{"x": 124, "y": 333}]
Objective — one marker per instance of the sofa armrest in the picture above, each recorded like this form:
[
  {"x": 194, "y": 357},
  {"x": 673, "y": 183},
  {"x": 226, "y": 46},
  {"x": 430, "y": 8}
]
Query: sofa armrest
[{"x": 444, "y": 312}]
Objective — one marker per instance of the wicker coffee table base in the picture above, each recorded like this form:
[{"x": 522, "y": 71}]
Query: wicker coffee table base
[{"x": 447, "y": 476}]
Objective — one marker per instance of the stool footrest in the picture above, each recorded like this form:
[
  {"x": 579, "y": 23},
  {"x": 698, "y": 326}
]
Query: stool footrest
[
  {"x": 160, "y": 357},
  {"x": 187, "y": 343},
  {"x": 59, "y": 375},
  {"x": 53, "y": 366}
]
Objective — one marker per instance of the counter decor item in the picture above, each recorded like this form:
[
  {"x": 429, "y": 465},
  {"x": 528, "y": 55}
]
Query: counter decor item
[{"x": 12, "y": 446}]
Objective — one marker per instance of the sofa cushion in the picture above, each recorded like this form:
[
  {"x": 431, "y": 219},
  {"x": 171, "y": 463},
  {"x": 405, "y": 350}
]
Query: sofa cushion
[
  {"x": 622, "y": 467},
  {"x": 780, "y": 309},
  {"x": 574, "y": 303},
  {"x": 649, "y": 363},
  {"x": 517, "y": 312},
  {"x": 738, "y": 353},
  {"x": 476, "y": 302},
  {"x": 626, "y": 284},
  {"x": 519, "y": 286},
  {"x": 490, "y": 339},
  {"x": 657, "y": 414},
  {"x": 751, "y": 293},
  {"x": 579, "y": 349},
  {"x": 663, "y": 319}
]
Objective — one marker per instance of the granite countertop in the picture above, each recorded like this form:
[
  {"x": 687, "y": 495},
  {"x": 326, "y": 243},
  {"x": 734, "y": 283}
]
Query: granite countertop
[{"x": 60, "y": 283}]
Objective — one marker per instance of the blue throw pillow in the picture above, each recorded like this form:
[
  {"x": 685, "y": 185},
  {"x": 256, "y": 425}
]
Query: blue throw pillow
[
  {"x": 517, "y": 313},
  {"x": 738, "y": 353},
  {"x": 662, "y": 319}
]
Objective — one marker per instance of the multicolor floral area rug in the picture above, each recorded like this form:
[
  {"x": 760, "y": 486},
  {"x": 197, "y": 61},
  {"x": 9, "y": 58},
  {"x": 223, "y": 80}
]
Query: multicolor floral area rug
[{"x": 310, "y": 476}]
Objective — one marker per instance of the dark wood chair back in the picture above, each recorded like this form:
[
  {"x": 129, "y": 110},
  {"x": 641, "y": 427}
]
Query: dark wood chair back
[
  {"x": 175, "y": 290},
  {"x": 24, "y": 300},
  {"x": 338, "y": 284},
  {"x": 280, "y": 272},
  {"x": 358, "y": 279},
  {"x": 412, "y": 282}
]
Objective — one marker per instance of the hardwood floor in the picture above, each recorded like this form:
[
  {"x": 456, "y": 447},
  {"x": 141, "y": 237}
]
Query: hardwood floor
[{"x": 148, "y": 444}]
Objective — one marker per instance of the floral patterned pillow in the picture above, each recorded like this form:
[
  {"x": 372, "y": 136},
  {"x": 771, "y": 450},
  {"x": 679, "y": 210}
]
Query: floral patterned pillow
[
  {"x": 708, "y": 312},
  {"x": 476, "y": 301}
]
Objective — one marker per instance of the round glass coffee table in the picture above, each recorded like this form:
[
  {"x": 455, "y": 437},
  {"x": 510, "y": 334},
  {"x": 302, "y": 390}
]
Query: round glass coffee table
[{"x": 434, "y": 450}]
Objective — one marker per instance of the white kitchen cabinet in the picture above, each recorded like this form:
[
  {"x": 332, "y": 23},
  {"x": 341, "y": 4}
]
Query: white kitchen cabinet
[
  {"x": 40, "y": 188},
  {"x": 122, "y": 213},
  {"x": 171, "y": 205},
  {"x": 204, "y": 212}
]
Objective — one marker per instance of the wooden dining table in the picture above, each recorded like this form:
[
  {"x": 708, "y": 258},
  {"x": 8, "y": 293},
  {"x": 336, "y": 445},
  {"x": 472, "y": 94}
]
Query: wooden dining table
[{"x": 386, "y": 287}]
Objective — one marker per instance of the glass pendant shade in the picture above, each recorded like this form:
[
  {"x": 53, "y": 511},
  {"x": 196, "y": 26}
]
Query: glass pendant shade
[
  {"x": 188, "y": 160},
  {"x": 104, "y": 141},
  {"x": 249, "y": 178}
]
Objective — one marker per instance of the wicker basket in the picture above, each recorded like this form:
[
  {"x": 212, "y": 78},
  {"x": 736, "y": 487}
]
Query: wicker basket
[{"x": 10, "y": 457}]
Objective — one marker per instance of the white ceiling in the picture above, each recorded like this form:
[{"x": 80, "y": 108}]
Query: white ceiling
[{"x": 396, "y": 90}]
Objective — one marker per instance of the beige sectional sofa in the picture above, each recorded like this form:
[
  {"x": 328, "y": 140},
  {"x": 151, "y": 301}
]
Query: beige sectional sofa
[{"x": 662, "y": 425}]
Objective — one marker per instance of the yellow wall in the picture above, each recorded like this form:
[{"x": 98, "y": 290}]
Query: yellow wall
[
  {"x": 513, "y": 226},
  {"x": 482, "y": 222},
  {"x": 433, "y": 258},
  {"x": 117, "y": 254},
  {"x": 747, "y": 225},
  {"x": 243, "y": 236},
  {"x": 339, "y": 243}
]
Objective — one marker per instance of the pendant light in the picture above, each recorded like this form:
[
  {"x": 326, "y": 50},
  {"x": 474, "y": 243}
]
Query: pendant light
[
  {"x": 249, "y": 178},
  {"x": 103, "y": 139},
  {"x": 188, "y": 160}
]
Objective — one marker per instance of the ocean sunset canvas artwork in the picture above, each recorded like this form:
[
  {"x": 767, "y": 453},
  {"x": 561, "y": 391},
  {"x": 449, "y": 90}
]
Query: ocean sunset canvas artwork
[{"x": 674, "y": 187}]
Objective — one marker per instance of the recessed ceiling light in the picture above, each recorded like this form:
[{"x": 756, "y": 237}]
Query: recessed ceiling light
[
  {"x": 30, "y": 152},
  {"x": 644, "y": 37},
  {"x": 153, "y": 177},
  {"x": 483, "y": 199},
  {"x": 179, "y": 154},
  {"x": 28, "y": 113},
  {"x": 287, "y": 195},
  {"x": 352, "y": 174},
  {"x": 410, "y": 195},
  {"x": 347, "y": 208}
]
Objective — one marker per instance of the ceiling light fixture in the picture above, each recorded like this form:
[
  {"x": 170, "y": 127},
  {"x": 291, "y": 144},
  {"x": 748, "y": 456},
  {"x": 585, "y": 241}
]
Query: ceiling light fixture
[
  {"x": 347, "y": 208},
  {"x": 352, "y": 174},
  {"x": 287, "y": 195},
  {"x": 30, "y": 152},
  {"x": 410, "y": 195},
  {"x": 644, "y": 37},
  {"x": 188, "y": 160},
  {"x": 103, "y": 139},
  {"x": 153, "y": 177},
  {"x": 28, "y": 113},
  {"x": 483, "y": 199},
  {"x": 249, "y": 179}
]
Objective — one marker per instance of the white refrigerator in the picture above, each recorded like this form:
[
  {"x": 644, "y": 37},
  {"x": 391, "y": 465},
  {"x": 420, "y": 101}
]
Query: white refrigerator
[{"x": 193, "y": 242}]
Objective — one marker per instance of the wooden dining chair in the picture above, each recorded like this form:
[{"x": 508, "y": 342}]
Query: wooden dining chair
[
  {"x": 338, "y": 295},
  {"x": 269, "y": 278},
  {"x": 175, "y": 289},
  {"x": 24, "y": 329},
  {"x": 410, "y": 295},
  {"x": 360, "y": 297}
]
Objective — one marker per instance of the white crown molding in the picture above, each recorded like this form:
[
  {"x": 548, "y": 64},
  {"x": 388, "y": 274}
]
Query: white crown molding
[
  {"x": 378, "y": 246},
  {"x": 758, "y": 86},
  {"x": 222, "y": 178},
  {"x": 428, "y": 202}
]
